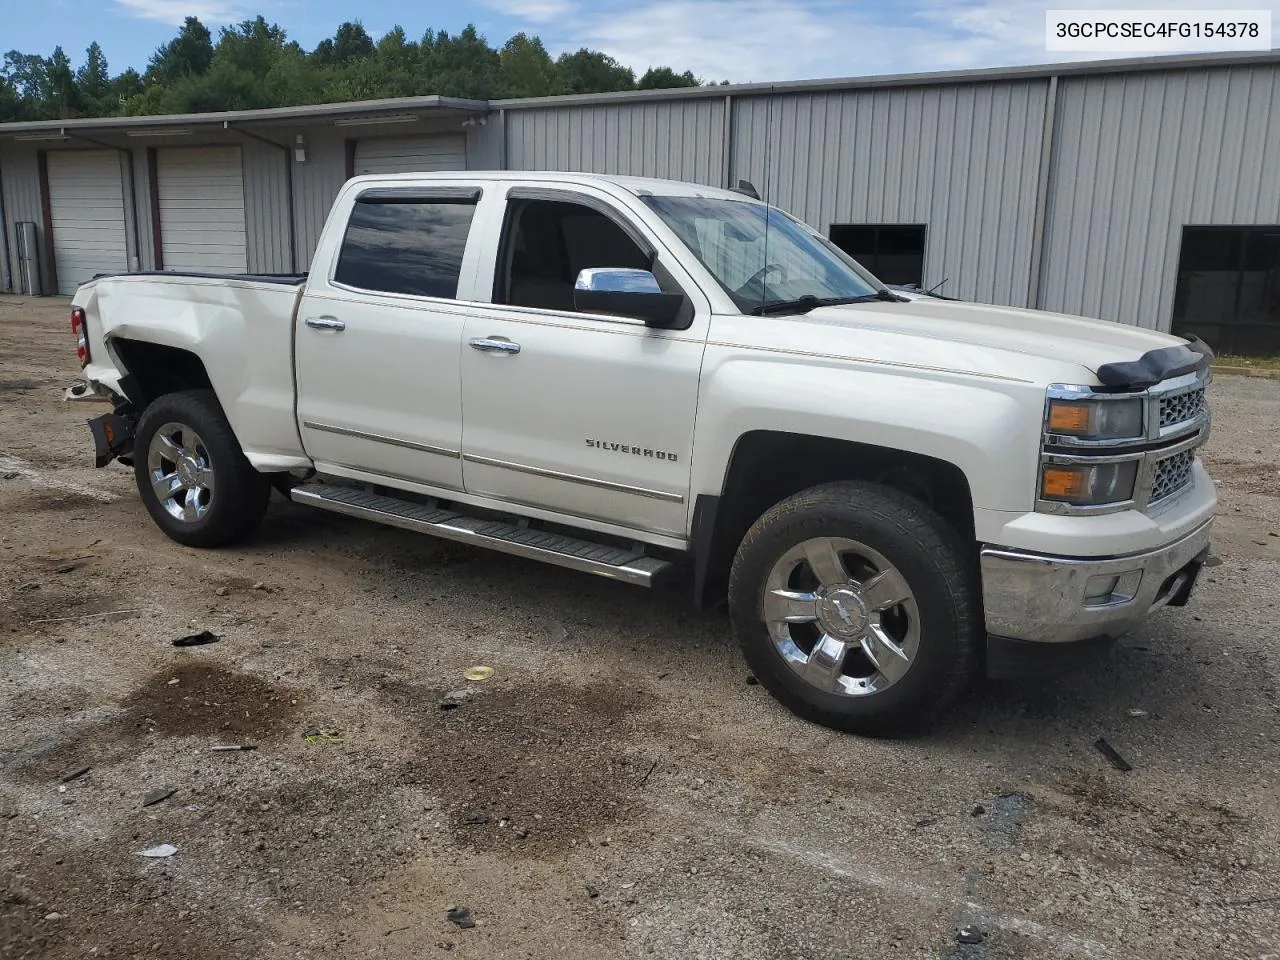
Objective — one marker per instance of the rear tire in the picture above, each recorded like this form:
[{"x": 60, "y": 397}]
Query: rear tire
[
  {"x": 191, "y": 473},
  {"x": 857, "y": 607}
]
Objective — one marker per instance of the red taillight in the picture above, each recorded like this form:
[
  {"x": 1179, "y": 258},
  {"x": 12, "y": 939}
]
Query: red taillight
[{"x": 82, "y": 335}]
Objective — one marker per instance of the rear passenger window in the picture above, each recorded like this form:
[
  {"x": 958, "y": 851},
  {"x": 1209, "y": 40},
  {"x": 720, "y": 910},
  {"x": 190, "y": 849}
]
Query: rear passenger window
[{"x": 405, "y": 247}]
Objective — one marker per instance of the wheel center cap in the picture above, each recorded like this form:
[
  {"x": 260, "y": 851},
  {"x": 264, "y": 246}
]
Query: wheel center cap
[
  {"x": 188, "y": 470},
  {"x": 843, "y": 613}
]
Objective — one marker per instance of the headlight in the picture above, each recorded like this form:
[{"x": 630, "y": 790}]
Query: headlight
[
  {"x": 1097, "y": 419},
  {"x": 1088, "y": 484}
]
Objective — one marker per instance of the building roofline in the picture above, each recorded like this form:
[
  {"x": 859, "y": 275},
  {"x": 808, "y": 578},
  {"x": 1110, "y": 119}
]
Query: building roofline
[
  {"x": 359, "y": 109},
  {"x": 983, "y": 75},
  {"x": 368, "y": 109}
]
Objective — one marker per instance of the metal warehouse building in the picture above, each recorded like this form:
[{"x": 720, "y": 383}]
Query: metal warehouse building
[{"x": 1141, "y": 191}]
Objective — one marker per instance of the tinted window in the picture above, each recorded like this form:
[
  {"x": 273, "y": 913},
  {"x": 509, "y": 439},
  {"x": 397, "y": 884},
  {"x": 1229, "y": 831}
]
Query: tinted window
[
  {"x": 405, "y": 247},
  {"x": 893, "y": 253}
]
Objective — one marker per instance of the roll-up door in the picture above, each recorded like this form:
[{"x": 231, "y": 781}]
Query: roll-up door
[
  {"x": 201, "y": 191},
  {"x": 86, "y": 203},
  {"x": 443, "y": 151}
]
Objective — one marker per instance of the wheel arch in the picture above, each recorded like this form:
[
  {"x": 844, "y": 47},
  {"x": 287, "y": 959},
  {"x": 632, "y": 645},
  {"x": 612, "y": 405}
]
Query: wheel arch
[
  {"x": 152, "y": 370},
  {"x": 767, "y": 466}
]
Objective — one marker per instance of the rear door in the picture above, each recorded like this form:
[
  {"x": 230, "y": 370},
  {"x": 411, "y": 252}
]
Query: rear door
[{"x": 379, "y": 332}]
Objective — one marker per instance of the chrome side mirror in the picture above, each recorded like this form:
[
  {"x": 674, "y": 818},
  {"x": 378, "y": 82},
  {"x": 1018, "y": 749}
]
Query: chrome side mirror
[
  {"x": 617, "y": 280},
  {"x": 626, "y": 292}
]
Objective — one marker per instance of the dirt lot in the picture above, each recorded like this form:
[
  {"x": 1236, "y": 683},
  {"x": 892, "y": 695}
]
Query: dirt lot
[{"x": 618, "y": 789}]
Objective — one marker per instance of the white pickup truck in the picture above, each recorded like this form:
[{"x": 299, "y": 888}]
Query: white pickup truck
[{"x": 632, "y": 377}]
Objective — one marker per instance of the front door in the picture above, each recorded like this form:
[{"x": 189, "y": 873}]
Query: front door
[
  {"x": 586, "y": 415},
  {"x": 378, "y": 338}
]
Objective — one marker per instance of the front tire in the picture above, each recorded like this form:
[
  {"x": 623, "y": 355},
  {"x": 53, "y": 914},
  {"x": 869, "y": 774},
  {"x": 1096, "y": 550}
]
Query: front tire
[
  {"x": 191, "y": 473},
  {"x": 857, "y": 607}
]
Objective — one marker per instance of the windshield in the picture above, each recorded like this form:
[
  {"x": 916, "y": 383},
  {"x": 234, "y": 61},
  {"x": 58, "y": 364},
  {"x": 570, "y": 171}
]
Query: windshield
[{"x": 728, "y": 236}]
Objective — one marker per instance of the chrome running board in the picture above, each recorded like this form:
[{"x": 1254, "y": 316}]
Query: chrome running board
[{"x": 628, "y": 564}]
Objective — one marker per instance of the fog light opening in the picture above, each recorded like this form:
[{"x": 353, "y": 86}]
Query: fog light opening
[
  {"x": 1099, "y": 590},
  {"x": 1106, "y": 590}
]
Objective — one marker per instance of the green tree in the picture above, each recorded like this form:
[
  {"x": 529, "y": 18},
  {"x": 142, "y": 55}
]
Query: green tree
[
  {"x": 461, "y": 66},
  {"x": 10, "y": 104},
  {"x": 254, "y": 64},
  {"x": 351, "y": 42},
  {"x": 189, "y": 54},
  {"x": 589, "y": 71},
  {"x": 525, "y": 69},
  {"x": 93, "y": 83},
  {"x": 664, "y": 78},
  {"x": 395, "y": 63}
]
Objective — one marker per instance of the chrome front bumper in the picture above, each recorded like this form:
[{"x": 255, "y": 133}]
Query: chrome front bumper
[{"x": 1046, "y": 599}]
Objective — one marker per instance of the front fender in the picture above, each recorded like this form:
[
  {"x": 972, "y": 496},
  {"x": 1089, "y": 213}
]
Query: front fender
[{"x": 988, "y": 427}]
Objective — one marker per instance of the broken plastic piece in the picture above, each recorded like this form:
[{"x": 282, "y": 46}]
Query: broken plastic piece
[
  {"x": 461, "y": 916},
  {"x": 152, "y": 797},
  {"x": 970, "y": 934},
  {"x": 163, "y": 850},
  {"x": 197, "y": 639},
  {"x": 1108, "y": 751}
]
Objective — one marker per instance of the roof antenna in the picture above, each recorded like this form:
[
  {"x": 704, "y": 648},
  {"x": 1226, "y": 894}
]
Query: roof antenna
[
  {"x": 937, "y": 286},
  {"x": 746, "y": 188}
]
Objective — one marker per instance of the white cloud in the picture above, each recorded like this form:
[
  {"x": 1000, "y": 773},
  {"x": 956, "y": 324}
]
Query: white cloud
[
  {"x": 175, "y": 11},
  {"x": 763, "y": 40},
  {"x": 531, "y": 11}
]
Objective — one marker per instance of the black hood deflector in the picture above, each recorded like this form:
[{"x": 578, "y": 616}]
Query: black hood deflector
[{"x": 1156, "y": 365}]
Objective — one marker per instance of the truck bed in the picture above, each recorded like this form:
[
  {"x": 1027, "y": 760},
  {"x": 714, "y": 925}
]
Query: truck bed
[{"x": 240, "y": 327}]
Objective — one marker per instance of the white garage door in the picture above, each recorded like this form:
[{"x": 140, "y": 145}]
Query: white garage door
[
  {"x": 202, "y": 209},
  {"x": 86, "y": 200},
  {"x": 444, "y": 151}
]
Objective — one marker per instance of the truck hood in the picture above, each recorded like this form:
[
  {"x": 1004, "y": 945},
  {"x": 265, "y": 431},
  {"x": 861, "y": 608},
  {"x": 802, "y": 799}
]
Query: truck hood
[{"x": 982, "y": 338}]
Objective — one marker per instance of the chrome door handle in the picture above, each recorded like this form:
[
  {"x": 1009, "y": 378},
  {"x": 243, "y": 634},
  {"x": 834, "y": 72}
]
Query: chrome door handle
[
  {"x": 325, "y": 323},
  {"x": 495, "y": 345}
]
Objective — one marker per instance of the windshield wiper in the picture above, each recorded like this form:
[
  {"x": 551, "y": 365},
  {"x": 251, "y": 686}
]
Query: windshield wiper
[{"x": 809, "y": 302}]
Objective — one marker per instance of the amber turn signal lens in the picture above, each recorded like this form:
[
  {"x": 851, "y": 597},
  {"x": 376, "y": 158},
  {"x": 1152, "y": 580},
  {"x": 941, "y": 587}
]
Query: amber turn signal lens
[
  {"x": 1062, "y": 483},
  {"x": 1068, "y": 417}
]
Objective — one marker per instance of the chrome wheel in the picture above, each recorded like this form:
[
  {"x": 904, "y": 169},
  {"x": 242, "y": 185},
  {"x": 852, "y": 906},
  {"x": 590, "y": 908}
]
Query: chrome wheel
[
  {"x": 181, "y": 472},
  {"x": 842, "y": 616}
]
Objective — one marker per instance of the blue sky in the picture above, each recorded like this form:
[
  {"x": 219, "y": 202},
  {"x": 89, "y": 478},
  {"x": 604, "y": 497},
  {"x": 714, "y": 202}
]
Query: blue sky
[{"x": 737, "y": 40}]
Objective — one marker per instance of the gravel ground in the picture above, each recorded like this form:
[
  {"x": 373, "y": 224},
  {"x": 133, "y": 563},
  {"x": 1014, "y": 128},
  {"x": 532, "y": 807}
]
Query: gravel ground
[{"x": 618, "y": 788}]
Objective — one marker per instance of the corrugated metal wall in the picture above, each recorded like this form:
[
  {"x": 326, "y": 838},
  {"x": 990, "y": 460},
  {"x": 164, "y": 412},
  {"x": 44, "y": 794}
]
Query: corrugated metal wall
[
  {"x": 1138, "y": 156},
  {"x": 680, "y": 139},
  {"x": 961, "y": 159},
  {"x": 22, "y": 200},
  {"x": 266, "y": 207},
  {"x": 315, "y": 184}
]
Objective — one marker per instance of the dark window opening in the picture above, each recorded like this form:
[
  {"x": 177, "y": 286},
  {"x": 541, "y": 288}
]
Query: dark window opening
[
  {"x": 550, "y": 242},
  {"x": 413, "y": 247},
  {"x": 1228, "y": 290},
  {"x": 895, "y": 254}
]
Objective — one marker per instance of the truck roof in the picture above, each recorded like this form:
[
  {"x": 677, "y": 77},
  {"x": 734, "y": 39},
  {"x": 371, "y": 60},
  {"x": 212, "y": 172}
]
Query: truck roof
[{"x": 639, "y": 186}]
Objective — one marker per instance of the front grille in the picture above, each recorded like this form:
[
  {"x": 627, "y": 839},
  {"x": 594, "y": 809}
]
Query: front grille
[
  {"x": 1171, "y": 475},
  {"x": 1181, "y": 407}
]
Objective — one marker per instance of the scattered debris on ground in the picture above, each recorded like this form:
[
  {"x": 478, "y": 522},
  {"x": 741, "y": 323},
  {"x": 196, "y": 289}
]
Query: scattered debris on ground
[{"x": 1108, "y": 751}]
